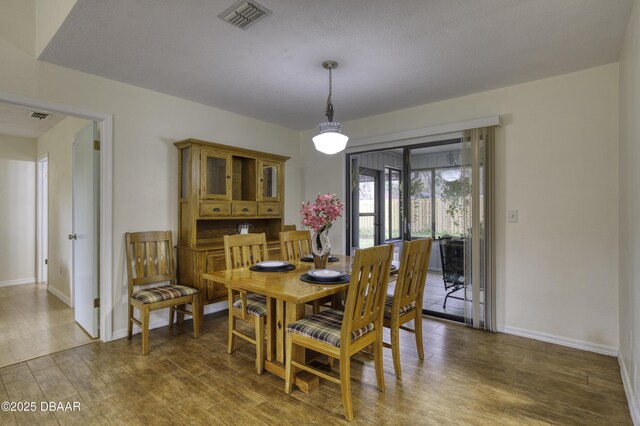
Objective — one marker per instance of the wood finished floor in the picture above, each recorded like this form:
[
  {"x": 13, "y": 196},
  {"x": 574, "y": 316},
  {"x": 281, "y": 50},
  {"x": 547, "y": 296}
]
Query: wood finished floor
[
  {"x": 467, "y": 377},
  {"x": 33, "y": 322}
]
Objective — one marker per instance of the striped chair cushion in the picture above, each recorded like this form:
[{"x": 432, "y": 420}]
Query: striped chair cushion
[
  {"x": 403, "y": 309},
  {"x": 325, "y": 327},
  {"x": 256, "y": 305},
  {"x": 165, "y": 292}
]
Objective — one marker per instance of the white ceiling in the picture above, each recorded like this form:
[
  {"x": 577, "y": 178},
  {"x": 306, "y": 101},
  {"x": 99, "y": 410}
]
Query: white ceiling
[
  {"x": 16, "y": 121},
  {"x": 392, "y": 54}
]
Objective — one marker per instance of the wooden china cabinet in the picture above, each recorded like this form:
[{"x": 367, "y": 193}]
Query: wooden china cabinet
[{"x": 221, "y": 187}]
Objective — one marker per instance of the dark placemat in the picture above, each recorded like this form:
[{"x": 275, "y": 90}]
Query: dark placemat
[
  {"x": 309, "y": 279},
  {"x": 285, "y": 268},
  {"x": 310, "y": 259}
]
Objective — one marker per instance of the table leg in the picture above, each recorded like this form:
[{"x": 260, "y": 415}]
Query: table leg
[
  {"x": 280, "y": 326},
  {"x": 271, "y": 328},
  {"x": 286, "y": 314}
]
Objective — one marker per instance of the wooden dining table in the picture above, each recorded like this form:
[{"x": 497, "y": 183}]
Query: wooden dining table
[{"x": 286, "y": 298}]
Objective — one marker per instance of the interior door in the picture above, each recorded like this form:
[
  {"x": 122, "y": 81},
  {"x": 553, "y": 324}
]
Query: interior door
[{"x": 86, "y": 196}]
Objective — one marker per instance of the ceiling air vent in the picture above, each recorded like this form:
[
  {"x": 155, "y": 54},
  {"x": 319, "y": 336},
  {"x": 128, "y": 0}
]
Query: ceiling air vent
[
  {"x": 39, "y": 115},
  {"x": 243, "y": 14}
]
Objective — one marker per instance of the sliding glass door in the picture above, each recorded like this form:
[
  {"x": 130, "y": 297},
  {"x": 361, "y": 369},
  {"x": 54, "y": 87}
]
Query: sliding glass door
[
  {"x": 432, "y": 190},
  {"x": 436, "y": 208},
  {"x": 368, "y": 208}
]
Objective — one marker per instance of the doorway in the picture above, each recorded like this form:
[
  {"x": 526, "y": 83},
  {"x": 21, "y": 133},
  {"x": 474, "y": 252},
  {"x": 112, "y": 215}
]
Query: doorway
[
  {"x": 105, "y": 123},
  {"x": 36, "y": 316}
]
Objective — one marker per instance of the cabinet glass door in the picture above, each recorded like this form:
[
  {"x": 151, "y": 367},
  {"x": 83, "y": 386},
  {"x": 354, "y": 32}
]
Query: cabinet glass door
[
  {"x": 269, "y": 176},
  {"x": 216, "y": 176}
]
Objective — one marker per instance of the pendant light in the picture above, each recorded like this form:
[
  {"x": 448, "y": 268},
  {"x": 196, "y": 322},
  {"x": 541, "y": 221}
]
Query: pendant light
[{"x": 330, "y": 140}]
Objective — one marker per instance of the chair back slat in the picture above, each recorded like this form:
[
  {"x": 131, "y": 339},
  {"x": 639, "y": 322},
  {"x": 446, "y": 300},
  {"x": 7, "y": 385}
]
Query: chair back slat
[
  {"x": 140, "y": 259},
  {"x": 295, "y": 245},
  {"x": 412, "y": 273},
  {"x": 243, "y": 250},
  {"x": 149, "y": 258},
  {"x": 367, "y": 289}
]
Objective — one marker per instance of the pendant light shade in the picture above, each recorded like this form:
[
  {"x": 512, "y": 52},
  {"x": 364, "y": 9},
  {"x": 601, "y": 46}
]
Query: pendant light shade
[{"x": 330, "y": 140}]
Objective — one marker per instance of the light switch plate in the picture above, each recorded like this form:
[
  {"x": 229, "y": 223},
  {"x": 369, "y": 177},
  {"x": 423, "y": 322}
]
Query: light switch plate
[{"x": 513, "y": 216}]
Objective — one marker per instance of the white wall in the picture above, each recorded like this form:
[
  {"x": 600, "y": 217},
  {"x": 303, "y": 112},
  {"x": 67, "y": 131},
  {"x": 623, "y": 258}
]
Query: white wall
[
  {"x": 556, "y": 162},
  {"x": 57, "y": 142},
  {"x": 16, "y": 23},
  {"x": 17, "y": 210},
  {"x": 49, "y": 15},
  {"x": 145, "y": 161},
  {"x": 630, "y": 212}
]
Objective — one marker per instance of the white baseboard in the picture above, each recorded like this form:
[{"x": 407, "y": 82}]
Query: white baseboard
[
  {"x": 66, "y": 300},
  {"x": 208, "y": 309},
  {"x": 21, "y": 281},
  {"x": 550, "y": 338},
  {"x": 634, "y": 404}
]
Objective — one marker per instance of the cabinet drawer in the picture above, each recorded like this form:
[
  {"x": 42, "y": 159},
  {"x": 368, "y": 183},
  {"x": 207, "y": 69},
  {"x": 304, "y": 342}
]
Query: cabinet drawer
[
  {"x": 244, "y": 208},
  {"x": 213, "y": 209},
  {"x": 269, "y": 209}
]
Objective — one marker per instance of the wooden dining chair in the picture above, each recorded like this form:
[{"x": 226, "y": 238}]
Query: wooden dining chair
[
  {"x": 293, "y": 246},
  {"x": 406, "y": 302},
  {"x": 150, "y": 261},
  {"x": 341, "y": 334},
  {"x": 245, "y": 250}
]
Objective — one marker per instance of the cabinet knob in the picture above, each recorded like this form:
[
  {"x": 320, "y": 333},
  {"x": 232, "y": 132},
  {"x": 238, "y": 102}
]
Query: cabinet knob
[
  {"x": 269, "y": 210},
  {"x": 216, "y": 209},
  {"x": 228, "y": 176},
  {"x": 245, "y": 209}
]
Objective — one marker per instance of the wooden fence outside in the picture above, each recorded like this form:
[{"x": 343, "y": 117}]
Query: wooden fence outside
[{"x": 421, "y": 214}]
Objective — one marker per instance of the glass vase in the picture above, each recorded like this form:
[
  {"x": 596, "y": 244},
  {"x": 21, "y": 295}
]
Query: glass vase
[{"x": 320, "y": 248}]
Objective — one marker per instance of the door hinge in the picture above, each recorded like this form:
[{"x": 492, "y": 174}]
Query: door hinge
[
  {"x": 96, "y": 302},
  {"x": 96, "y": 145},
  {"x": 46, "y": 261}
]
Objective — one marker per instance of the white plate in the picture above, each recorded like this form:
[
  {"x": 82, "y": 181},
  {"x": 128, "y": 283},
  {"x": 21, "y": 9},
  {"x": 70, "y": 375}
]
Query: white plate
[
  {"x": 271, "y": 264},
  {"x": 326, "y": 274}
]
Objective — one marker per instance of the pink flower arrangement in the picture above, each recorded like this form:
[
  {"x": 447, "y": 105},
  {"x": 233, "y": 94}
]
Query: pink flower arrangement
[{"x": 320, "y": 215}]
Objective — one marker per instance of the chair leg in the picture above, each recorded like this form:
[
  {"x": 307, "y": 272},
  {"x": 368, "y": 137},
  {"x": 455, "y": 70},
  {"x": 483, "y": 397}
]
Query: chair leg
[
  {"x": 180, "y": 315},
  {"x": 130, "y": 326},
  {"x": 289, "y": 371},
  {"x": 395, "y": 348},
  {"x": 377, "y": 360},
  {"x": 260, "y": 344},
  {"x": 232, "y": 322},
  {"x": 345, "y": 385},
  {"x": 316, "y": 306},
  {"x": 417, "y": 326},
  {"x": 195, "y": 311},
  {"x": 145, "y": 330},
  {"x": 171, "y": 316}
]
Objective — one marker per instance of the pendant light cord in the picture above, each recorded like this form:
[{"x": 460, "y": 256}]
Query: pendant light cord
[{"x": 329, "y": 109}]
